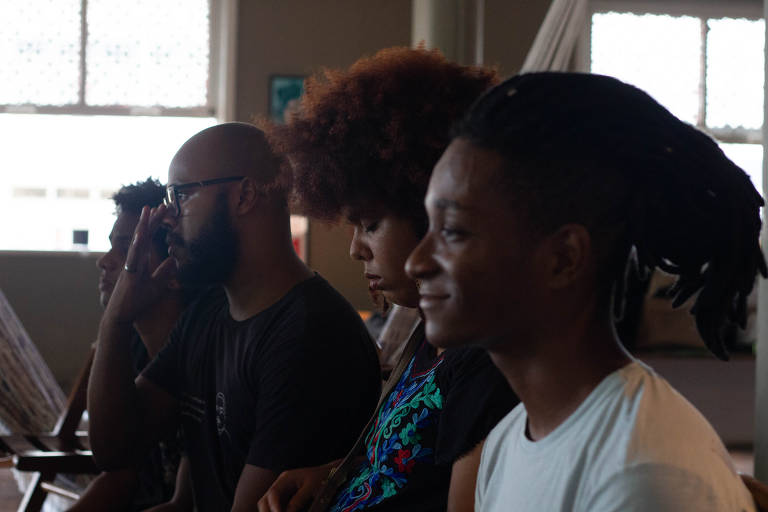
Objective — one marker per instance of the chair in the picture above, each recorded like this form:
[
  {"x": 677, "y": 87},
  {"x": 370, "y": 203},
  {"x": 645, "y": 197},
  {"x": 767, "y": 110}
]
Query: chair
[{"x": 30, "y": 401}]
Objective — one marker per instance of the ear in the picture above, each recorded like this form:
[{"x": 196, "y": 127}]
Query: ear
[
  {"x": 248, "y": 196},
  {"x": 570, "y": 255}
]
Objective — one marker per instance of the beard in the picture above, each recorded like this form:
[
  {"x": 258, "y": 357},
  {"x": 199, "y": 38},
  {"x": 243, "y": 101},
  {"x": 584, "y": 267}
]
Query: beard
[{"x": 211, "y": 256}]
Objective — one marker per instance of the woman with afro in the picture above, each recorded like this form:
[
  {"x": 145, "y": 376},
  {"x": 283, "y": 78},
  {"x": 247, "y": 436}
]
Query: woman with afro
[{"x": 362, "y": 145}]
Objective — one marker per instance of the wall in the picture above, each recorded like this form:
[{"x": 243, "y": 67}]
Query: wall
[
  {"x": 510, "y": 28},
  {"x": 55, "y": 296},
  {"x": 297, "y": 37}
]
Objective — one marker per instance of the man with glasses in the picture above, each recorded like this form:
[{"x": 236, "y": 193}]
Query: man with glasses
[{"x": 270, "y": 369}]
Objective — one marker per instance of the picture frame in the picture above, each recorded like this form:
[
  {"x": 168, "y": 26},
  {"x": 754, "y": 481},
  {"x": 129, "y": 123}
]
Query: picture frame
[{"x": 284, "y": 92}]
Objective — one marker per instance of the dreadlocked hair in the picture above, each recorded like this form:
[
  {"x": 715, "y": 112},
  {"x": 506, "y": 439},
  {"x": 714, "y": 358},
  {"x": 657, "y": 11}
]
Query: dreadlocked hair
[
  {"x": 649, "y": 188},
  {"x": 369, "y": 136}
]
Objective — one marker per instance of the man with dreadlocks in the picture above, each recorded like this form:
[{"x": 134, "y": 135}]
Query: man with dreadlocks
[{"x": 551, "y": 184}]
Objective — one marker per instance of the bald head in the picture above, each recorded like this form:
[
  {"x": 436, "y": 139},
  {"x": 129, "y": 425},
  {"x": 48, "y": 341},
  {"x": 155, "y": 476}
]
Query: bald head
[{"x": 229, "y": 149}]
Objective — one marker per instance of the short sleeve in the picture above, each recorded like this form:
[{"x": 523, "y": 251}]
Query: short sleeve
[
  {"x": 477, "y": 397},
  {"x": 664, "y": 488},
  {"x": 164, "y": 369},
  {"x": 312, "y": 405}
]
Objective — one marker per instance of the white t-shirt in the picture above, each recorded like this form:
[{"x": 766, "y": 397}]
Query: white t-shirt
[{"x": 635, "y": 444}]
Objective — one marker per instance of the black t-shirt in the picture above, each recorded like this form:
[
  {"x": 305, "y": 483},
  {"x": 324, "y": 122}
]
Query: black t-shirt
[
  {"x": 267, "y": 391},
  {"x": 157, "y": 472},
  {"x": 441, "y": 408}
]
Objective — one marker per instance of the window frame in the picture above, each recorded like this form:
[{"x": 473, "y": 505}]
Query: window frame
[
  {"x": 703, "y": 9},
  {"x": 221, "y": 75}
]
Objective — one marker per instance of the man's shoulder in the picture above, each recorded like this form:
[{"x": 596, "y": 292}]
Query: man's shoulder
[
  {"x": 314, "y": 304},
  {"x": 665, "y": 423},
  {"x": 318, "y": 293},
  {"x": 654, "y": 426},
  {"x": 668, "y": 429},
  {"x": 669, "y": 487}
]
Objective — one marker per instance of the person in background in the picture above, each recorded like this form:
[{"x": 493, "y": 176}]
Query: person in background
[
  {"x": 269, "y": 369},
  {"x": 363, "y": 144},
  {"x": 553, "y": 182},
  {"x": 154, "y": 481}
]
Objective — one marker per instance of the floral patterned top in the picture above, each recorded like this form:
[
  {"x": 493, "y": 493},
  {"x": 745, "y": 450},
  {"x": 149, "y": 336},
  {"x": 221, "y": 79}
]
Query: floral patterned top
[{"x": 440, "y": 408}]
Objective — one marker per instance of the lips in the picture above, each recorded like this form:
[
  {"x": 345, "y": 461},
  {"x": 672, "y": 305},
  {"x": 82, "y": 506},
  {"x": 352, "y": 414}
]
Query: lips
[
  {"x": 373, "y": 281},
  {"x": 431, "y": 299}
]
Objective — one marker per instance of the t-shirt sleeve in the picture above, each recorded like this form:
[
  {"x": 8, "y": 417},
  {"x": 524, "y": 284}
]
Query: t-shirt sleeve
[
  {"x": 312, "y": 403},
  {"x": 664, "y": 488},
  {"x": 164, "y": 369},
  {"x": 477, "y": 397}
]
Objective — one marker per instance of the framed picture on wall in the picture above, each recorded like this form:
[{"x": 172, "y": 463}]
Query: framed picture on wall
[{"x": 284, "y": 93}]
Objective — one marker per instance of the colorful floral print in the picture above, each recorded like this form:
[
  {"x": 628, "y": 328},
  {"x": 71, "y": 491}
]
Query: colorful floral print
[{"x": 399, "y": 443}]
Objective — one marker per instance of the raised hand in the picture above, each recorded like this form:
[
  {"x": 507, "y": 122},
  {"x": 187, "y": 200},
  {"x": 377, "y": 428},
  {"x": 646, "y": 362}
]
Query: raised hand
[
  {"x": 295, "y": 489},
  {"x": 144, "y": 277}
]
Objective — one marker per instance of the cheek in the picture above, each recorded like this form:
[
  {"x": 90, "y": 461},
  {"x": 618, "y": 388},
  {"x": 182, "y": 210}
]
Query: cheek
[
  {"x": 187, "y": 228},
  {"x": 387, "y": 258},
  {"x": 481, "y": 282}
]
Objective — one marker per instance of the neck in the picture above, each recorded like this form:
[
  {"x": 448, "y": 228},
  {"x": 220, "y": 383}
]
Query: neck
[
  {"x": 564, "y": 367},
  {"x": 156, "y": 323},
  {"x": 263, "y": 275}
]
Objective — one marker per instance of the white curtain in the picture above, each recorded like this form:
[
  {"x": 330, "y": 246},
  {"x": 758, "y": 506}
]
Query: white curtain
[{"x": 554, "y": 44}]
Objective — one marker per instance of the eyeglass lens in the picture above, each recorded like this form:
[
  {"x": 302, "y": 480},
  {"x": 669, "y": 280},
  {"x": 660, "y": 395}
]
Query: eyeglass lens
[{"x": 170, "y": 201}]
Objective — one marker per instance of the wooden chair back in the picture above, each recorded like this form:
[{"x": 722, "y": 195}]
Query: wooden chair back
[{"x": 30, "y": 405}]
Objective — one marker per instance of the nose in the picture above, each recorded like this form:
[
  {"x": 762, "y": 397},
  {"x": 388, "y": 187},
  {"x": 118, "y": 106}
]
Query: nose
[
  {"x": 107, "y": 261},
  {"x": 421, "y": 263},
  {"x": 170, "y": 219},
  {"x": 358, "y": 249}
]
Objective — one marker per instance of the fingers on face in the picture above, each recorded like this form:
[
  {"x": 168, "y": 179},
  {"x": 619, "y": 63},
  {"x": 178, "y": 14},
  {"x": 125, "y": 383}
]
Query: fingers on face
[
  {"x": 156, "y": 217},
  {"x": 140, "y": 254},
  {"x": 137, "y": 253},
  {"x": 165, "y": 271}
]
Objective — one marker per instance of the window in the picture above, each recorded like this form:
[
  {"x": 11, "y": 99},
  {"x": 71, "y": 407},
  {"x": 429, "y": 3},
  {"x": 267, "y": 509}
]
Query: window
[
  {"x": 93, "y": 95},
  {"x": 705, "y": 64}
]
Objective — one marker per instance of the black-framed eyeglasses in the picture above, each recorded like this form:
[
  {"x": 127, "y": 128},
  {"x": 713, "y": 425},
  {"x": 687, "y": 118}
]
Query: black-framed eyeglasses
[{"x": 172, "y": 200}]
